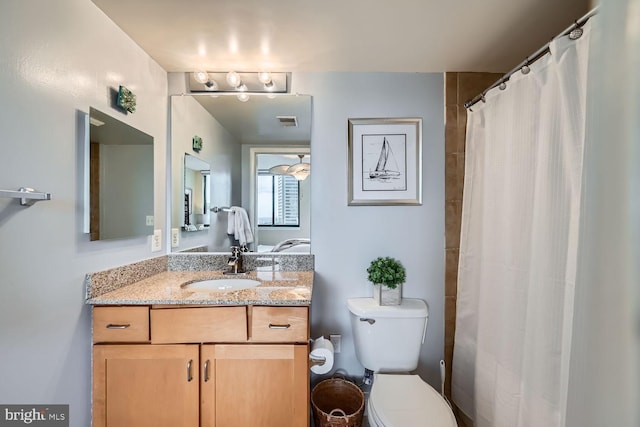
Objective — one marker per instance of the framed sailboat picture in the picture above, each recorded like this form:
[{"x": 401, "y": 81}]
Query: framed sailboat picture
[{"x": 385, "y": 161}]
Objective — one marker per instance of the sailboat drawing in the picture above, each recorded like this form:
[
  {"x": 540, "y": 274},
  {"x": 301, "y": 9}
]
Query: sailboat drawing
[{"x": 386, "y": 163}]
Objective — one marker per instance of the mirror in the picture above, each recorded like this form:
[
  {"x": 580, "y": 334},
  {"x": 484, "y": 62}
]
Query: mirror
[
  {"x": 120, "y": 179},
  {"x": 282, "y": 202},
  {"x": 233, "y": 134},
  {"x": 197, "y": 194}
]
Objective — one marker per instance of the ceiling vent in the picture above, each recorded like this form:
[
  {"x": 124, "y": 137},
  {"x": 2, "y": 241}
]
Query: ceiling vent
[{"x": 287, "y": 121}]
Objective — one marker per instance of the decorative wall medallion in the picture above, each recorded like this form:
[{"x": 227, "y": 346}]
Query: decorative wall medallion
[
  {"x": 126, "y": 100},
  {"x": 197, "y": 144}
]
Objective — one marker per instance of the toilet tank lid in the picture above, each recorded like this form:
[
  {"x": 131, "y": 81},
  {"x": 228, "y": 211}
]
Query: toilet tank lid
[{"x": 368, "y": 307}]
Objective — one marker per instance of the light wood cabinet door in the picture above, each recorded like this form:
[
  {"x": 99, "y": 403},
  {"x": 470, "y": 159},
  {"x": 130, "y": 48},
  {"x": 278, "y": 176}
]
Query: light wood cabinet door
[
  {"x": 146, "y": 385},
  {"x": 257, "y": 385}
]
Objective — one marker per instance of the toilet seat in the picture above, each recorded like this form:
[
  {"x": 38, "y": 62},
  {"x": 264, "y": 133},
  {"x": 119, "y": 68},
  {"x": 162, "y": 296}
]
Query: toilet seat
[{"x": 406, "y": 400}]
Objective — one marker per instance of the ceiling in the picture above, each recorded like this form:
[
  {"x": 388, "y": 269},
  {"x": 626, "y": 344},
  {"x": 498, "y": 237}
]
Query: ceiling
[
  {"x": 342, "y": 35},
  {"x": 255, "y": 121}
]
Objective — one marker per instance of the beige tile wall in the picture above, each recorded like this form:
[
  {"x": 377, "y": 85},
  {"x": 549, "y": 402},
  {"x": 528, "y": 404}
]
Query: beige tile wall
[{"x": 459, "y": 88}]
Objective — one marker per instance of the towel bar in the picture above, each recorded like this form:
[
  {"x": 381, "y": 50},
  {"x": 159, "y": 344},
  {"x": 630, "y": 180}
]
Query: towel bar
[
  {"x": 27, "y": 196},
  {"x": 217, "y": 209}
]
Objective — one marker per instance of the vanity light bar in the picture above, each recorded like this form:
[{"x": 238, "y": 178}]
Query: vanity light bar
[{"x": 218, "y": 82}]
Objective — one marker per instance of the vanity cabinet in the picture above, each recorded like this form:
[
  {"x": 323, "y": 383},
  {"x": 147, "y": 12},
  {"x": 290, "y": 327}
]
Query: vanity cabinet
[{"x": 201, "y": 366}]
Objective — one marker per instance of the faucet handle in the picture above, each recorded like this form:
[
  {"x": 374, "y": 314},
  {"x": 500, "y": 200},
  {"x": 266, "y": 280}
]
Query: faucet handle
[{"x": 235, "y": 250}]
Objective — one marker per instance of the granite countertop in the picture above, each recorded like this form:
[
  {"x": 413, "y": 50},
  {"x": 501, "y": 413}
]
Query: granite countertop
[
  {"x": 285, "y": 280},
  {"x": 276, "y": 288}
]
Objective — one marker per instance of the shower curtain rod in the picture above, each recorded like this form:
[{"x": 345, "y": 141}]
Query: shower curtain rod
[{"x": 531, "y": 58}]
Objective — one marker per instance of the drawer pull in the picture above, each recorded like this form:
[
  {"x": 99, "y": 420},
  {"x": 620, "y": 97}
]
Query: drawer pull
[
  {"x": 115, "y": 326},
  {"x": 272, "y": 326},
  {"x": 189, "y": 375},
  {"x": 206, "y": 371}
]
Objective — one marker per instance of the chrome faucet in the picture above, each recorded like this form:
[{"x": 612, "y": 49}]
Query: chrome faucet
[{"x": 235, "y": 261}]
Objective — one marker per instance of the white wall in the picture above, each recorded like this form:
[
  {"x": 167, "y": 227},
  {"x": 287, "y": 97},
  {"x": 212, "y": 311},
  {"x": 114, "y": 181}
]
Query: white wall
[
  {"x": 346, "y": 238},
  {"x": 56, "y": 60},
  {"x": 221, "y": 150}
]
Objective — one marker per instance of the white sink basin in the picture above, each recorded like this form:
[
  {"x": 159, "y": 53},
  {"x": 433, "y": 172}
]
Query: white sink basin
[{"x": 222, "y": 285}]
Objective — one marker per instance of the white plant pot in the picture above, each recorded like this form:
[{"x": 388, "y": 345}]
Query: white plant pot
[{"x": 387, "y": 296}]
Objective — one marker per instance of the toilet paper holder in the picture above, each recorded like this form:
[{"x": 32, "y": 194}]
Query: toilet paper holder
[
  {"x": 320, "y": 355},
  {"x": 317, "y": 361}
]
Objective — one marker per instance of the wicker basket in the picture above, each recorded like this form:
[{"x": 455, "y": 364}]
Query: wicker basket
[{"x": 337, "y": 403}]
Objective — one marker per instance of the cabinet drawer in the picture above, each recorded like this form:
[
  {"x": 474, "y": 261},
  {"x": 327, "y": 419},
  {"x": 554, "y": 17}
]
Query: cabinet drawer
[
  {"x": 280, "y": 324},
  {"x": 121, "y": 324},
  {"x": 196, "y": 325}
]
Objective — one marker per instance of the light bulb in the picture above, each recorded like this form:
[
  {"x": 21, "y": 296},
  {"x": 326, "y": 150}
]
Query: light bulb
[
  {"x": 201, "y": 76},
  {"x": 242, "y": 87},
  {"x": 264, "y": 77},
  {"x": 233, "y": 79},
  {"x": 243, "y": 97}
]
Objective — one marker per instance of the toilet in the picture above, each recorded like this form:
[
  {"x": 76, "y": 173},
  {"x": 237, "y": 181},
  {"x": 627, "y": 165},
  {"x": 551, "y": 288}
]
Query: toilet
[{"x": 387, "y": 341}]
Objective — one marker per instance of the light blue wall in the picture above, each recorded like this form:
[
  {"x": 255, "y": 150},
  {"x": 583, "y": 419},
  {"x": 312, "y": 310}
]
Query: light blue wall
[
  {"x": 345, "y": 238},
  {"x": 57, "y": 59}
]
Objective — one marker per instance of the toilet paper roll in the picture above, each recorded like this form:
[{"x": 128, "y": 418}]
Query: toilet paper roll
[{"x": 321, "y": 349}]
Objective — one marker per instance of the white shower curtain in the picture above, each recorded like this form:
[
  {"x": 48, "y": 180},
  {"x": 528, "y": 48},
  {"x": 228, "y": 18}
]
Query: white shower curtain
[{"x": 519, "y": 243}]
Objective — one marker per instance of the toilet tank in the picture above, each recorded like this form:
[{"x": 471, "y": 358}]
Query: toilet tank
[{"x": 388, "y": 338}]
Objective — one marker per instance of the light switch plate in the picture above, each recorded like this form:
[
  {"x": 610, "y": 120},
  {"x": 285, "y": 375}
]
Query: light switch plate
[
  {"x": 156, "y": 241},
  {"x": 175, "y": 237},
  {"x": 149, "y": 220}
]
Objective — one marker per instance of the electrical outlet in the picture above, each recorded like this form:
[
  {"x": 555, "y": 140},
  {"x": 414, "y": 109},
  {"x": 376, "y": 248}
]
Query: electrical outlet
[
  {"x": 336, "y": 340},
  {"x": 156, "y": 241},
  {"x": 150, "y": 220},
  {"x": 175, "y": 237}
]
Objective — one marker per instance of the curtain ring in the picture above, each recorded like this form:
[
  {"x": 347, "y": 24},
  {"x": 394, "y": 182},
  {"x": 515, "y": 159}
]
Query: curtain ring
[
  {"x": 576, "y": 33},
  {"x": 502, "y": 86},
  {"x": 525, "y": 68}
]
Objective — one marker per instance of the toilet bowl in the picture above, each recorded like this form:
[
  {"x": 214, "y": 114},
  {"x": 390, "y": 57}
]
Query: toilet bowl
[{"x": 406, "y": 401}]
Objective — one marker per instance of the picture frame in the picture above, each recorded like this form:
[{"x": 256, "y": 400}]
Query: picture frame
[{"x": 385, "y": 161}]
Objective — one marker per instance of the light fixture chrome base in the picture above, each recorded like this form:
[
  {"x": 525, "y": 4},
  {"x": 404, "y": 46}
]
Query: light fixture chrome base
[{"x": 218, "y": 83}]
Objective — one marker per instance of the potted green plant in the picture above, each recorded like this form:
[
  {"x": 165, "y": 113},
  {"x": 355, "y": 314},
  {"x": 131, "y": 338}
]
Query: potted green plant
[{"x": 387, "y": 275}]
